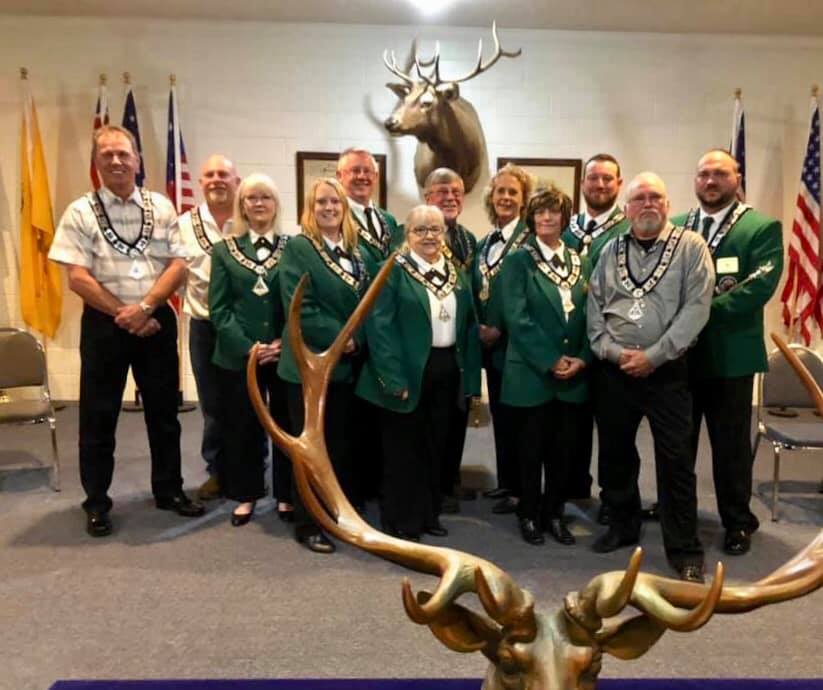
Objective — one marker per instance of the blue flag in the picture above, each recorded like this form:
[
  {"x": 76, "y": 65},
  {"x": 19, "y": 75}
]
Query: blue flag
[
  {"x": 130, "y": 123},
  {"x": 738, "y": 142}
]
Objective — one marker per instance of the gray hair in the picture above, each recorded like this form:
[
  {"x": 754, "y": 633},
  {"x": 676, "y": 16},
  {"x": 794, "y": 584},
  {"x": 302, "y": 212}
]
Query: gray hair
[
  {"x": 441, "y": 176},
  {"x": 425, "y": 213},
  {"x": 354, "y": 151}
]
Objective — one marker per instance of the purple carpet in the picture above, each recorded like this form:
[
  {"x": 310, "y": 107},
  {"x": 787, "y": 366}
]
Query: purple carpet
[{"x": 426, "y": 684}]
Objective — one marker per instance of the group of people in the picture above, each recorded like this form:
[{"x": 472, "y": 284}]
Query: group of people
[{"x": 608, "y": 315}]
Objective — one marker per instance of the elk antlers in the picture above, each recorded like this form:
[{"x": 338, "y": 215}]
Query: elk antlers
[
  {"x": 506, "y": 604},
  {"x": 434, "y": 79}
]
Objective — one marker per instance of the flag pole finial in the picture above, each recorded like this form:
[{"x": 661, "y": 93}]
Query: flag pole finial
[
  {"x": 102, "y": 79},
  {"x": 172, "y": 80},
  {"x": 24, "y": 73},
  {"x": 815, "y": 90},
  {"x": 126, "y": 78},
  {"x": 738, "y": 92}
]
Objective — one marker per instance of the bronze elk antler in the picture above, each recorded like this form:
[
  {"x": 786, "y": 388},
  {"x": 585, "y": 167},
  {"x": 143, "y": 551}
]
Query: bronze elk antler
[{"x": 558, "y": 651}]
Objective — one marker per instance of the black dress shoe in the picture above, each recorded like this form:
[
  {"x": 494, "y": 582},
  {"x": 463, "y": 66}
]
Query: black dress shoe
[
  {"x": 240, "y": 519},
  {"x": 652, "y": 513},
  {"x": 319, "y": 543},
  {"x": 180, "y": 504},
  {"x": 737, "y": 542},
  {"x": 449, "y": 505},
  {"x": 436, "y": 530},
  {"x": 286, "y": 515},
  {"x": 604, "y": 515},
  {"x": 530, "y": 532},
  {"x": 505, "y": 506},
  {"x": 611, "y": 540},
  {"x": 691, "y": 572},
  {"x": 557, "y": 528},
  {"x": 499, "y": 492},
  {"x": 98, "y": 523}
]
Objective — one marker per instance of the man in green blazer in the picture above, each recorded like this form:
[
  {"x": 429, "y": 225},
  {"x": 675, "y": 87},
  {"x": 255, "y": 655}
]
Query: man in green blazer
[
  {"x": 747, "y": 249},
  {"x": 587, "y": 233},
  {"x": 379, "y": 233}
]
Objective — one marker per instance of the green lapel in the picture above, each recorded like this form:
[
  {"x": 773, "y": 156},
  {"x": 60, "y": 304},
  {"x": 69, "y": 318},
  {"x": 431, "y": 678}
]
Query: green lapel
[
  {"x": 551, "y": 292},
  {"x": 420, "y": 292},
  {"x": 244, "y": 244}
]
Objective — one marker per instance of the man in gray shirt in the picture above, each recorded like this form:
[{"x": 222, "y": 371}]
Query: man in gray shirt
[{"x": 649, "y": 298}]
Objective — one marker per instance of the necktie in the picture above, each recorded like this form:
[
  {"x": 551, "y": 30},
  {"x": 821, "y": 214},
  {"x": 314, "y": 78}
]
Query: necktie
[
  {"x": 590, "y": 226},
  {"x": 558, "y": 262},
  {"x": 453, "y": 243},
  {"x": 707, "y": 226},
  {"x": 370, "y": 223}
]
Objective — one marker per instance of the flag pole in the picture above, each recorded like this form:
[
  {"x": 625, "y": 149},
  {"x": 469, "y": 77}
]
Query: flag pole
[{"x": 815, "y": 92}]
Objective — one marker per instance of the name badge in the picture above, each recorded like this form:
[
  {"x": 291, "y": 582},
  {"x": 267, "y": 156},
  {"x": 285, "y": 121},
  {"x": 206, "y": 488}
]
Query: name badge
[{"x": 728, "y": 264}]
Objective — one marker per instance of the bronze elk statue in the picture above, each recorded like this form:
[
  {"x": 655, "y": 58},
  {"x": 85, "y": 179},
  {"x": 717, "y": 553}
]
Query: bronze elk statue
[
  {"x": 431, "y": 109},
  {"x": 559, "y": 650}
]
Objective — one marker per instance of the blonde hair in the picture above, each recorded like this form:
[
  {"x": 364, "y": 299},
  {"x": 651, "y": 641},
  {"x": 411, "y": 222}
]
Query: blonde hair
[
  {"x": 308, "y": 221},
  {"x": 526, "y": 184},
  {"x": 240, "y": 224}
]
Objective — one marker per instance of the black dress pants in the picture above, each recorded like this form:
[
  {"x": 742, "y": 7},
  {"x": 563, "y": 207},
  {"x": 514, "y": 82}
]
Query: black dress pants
[
  {"x": 580, "y": 478},
  {"x": 341, "y": 442},
  {"x": 503, "y": 418},
  {"x": 450, "y": 472},
  {"x": 106, "y": 353},
  {"x": 415, "y": 446},
  {"x": 546, "y": 436},
  {"x": 664, "y": 399},
  {"x": 241, "y": 468},
  {"x": 726, "y": 404}
]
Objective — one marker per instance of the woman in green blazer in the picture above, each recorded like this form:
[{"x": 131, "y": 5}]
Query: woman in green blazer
[
  {"x": 423, "y": 362},
  {"x": 327, "y": 251},
  {"x": 544, "y": 290},
  {"x": 245, "y": 308}
]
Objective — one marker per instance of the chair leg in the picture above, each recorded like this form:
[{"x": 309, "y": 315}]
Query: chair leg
[
  {"x": 756, "y": 443},
  {"x": 55, "y": 456},
  {"x": 776, "y": 481}
]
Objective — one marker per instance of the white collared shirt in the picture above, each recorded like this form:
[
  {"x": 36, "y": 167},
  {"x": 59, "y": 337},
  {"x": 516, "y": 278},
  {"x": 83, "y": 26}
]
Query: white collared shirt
[
  {"x": 196, "y": 299},
  {"x": 717, "y": 218},
  {"x": 444, "y": 333},
  {"x": 345, "y": 263},
  {"x": 548, "y": 254},
  {"x": 262, "y": 253},
  {"x": 79, "y": 241},
  {"x": 359, "y": 211},
  {"x": 598, "y": 220},
  {"x": 496, "y": 250}
]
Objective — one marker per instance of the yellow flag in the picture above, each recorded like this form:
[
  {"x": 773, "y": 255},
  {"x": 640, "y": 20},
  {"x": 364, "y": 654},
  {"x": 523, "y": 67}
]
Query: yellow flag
[{"x": 41, "y": 289}]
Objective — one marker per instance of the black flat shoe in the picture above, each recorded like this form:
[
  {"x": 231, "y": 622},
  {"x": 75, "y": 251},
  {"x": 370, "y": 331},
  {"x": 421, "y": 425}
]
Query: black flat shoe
[
  {"x": 505, "y": 506},
  {"x": 286, "y": 515},
  {"x": 604, "y": 515},
  {"x": 98, "y": 523},
  {"x": 652, "y": 513},
  {"x": 436, "y": 530},
  {"x": 737, "y": 542},
  {"x": 557, "y": 528},
  {"x": 449, "y": 505},
  {"x": 691, "y": 573},
  {"x": 318, "y": 543},
  {"x": 180, "y": 504},
  {"x": 499, "y": 492},
  {"x": 612, "y": 540},
  {"x": 240, "y": 519},
  {"x": 530, "y": 532}
]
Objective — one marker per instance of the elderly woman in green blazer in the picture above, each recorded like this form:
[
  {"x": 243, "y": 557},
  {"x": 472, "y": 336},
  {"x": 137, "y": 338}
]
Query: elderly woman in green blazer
[
  {"x": 423, "y": 358},
  {"x": 505, "y": 200},
  {"x": 327, "y": 252},
  {"x": 245, "y": 307},
  {"x": 543, "y": 286}
]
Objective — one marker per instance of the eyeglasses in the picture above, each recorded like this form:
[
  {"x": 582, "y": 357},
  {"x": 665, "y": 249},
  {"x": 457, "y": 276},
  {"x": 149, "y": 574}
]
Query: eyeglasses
[
  {"x": 358, "y": 170},
  {"x": 423, "y": 230},
  {"x": 446, "y": 192}
]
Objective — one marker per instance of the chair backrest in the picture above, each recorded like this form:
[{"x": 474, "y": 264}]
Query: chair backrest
[
  {"x": 781, "y": 385},
  {"x": 22, "y": 362}
]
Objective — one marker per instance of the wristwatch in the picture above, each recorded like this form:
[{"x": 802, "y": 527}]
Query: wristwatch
[{"x": 146, "y": 308}]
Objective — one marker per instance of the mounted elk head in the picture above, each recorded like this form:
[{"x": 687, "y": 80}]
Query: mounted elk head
[
  {"x": 431, "y": 109},
  {"x": 561, "y": 650}
]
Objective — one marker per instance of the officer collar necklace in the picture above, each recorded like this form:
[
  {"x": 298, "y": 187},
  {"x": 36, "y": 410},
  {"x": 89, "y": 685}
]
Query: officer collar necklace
[
  {"x": 130, "y": 249},
  {"x": 545, "y": 267},
  {"x": 200, "y": 232},
  {"x": 355, "y": 282},
  {"x": 382, "y": 244},
  {"x": 726, "y": 225},
  {"x": 440, "y": 291},
  {"x": 637, "y": 288}
]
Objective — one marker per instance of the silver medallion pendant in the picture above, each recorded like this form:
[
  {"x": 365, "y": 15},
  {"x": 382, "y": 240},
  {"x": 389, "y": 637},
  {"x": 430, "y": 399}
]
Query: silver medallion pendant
[
  {"x": 568, "y": 306},
  {"x": 636, "y": 310},
  {"x": 444, "y": 315},
  {"x": 136, "y": 271},
  {"x": 260, "y": 288}
]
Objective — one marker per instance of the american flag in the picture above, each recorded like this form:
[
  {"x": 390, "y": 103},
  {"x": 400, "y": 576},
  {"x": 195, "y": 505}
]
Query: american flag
[
  {"x": 101, "y": 117},
  {"x": 178, "y": 178},
  {"x": 737, "y": 147},
  {"x": 801, "y": 295},
  {"x": 130, "y": 123}
]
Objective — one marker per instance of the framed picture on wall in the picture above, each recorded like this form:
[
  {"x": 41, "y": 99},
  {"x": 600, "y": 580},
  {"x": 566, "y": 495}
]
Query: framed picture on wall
[
  {"x": 564, "y": 172},
  {"x": 311, "y": 165}
]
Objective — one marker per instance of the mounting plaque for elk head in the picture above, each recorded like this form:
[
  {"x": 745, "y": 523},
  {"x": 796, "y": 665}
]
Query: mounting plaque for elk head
[
  {"x": 431, "y": 108},
  {"x": 558, "y": 650}
]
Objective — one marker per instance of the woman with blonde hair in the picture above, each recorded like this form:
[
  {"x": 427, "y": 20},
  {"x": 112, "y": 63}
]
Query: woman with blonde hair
[
  {"x": 327, "y": 251},
  {"x": 505, "y": 202},
  {"x": 245, "y": 308}
]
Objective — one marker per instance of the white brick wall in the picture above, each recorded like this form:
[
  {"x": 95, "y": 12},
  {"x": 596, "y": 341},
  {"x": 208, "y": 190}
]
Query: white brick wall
[{"x": 259, "y": 92}]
